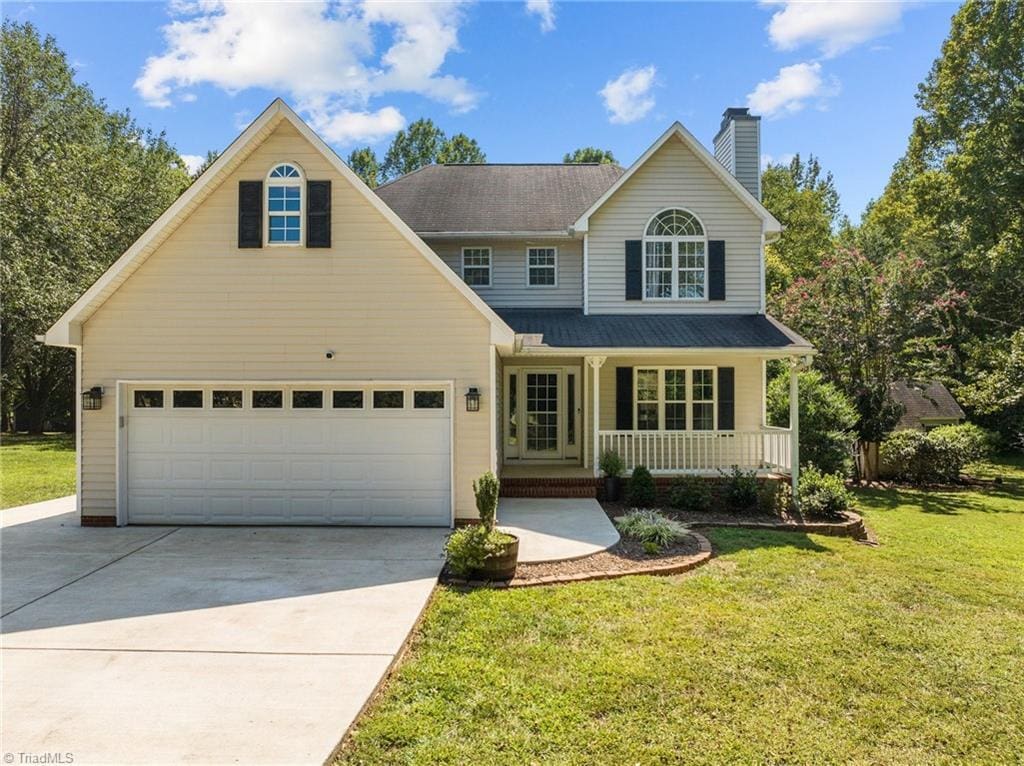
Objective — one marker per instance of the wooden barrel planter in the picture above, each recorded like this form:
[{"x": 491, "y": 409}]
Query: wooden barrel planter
[{"x": 502, "y": 565}]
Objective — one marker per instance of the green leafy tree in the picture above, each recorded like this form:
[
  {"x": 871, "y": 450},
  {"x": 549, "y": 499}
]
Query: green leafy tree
[
  {"x": 994, "y": 393},
  {"x": 956, "y": 198},
  {"x": 211, "y": 157},
  {"x": 804, "y": 199},
  {"x": 872, "y": 324},
  {"x": 78, "y": 184},
  {"x": 365, "y": 165},
  {"x": 827, "y": 419},
  {"x": 460, "y": 148},
  {"x": 412, "y": 148},
  {"x": 587, "y": 154}
]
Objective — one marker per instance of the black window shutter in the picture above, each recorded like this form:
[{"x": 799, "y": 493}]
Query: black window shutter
[
  {"x": 624, "y": 398},
  {"x": 250, "y": 214},
  {"x": 318, "y": 214},
  {"x": 716, "y": 270},
  {"x": 634, "y": 270},
  {"x": 726, "y": 398}
]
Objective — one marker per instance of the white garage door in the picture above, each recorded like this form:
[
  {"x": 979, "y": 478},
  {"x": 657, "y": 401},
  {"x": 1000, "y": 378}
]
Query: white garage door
[{"x": 289, "y": 454}]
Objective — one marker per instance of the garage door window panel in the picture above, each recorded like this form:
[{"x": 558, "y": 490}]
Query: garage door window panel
[
  {"x": 388, "y": 400},
  {"x": 347, "y": 400},
  {"x": 149, "y": 399},
  {"x": 428, "y": 400},
  {"x": 227, "y": 400},
  {"x": 187, "y": 399},
  {"x": 267, "y": 400},
  {"x": 307, "y": 400}
]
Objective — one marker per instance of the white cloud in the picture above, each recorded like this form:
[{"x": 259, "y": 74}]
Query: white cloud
[
  {"x": 835, "y": 27},
  {"x": 769, "y": 159},
  {"x": 193, "y": 162},
  {"x": 347, "y": 127},
  {"x": 791, "y": 89},
  {"x": 322, "y": 53},
  {"x": 545, "y": 11},
  {"x": 628, "y": 97}
]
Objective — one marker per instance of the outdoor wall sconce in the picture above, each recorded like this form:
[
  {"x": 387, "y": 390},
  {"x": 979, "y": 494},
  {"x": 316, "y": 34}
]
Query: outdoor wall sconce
[
  {"x": 93, "y": 398},
  {"x": 473, "y": 399}
]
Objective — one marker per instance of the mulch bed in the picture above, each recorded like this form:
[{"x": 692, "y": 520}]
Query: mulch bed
[{"x": 624, "y": 558}]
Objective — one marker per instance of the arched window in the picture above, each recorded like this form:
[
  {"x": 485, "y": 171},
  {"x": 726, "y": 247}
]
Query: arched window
[
  {"x": 675, "y": 257},
  {"x": 284, "y": 205}
]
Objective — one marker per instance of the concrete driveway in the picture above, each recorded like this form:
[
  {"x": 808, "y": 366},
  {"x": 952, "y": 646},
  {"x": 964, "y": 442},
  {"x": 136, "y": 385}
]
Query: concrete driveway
[{"x": 202, "y": 645}]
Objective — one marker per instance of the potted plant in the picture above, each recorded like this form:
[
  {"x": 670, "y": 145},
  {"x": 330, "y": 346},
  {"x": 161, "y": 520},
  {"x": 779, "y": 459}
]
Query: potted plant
[
  {"x": 482, "y": 552},
  {"x": 612, "y": 467}
]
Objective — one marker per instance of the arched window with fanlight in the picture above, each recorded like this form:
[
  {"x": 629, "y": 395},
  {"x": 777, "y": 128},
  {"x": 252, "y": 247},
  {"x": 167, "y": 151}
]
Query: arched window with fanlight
[
  {"x": 675, "y": 257},
  {"x": 284, "y": 205}
]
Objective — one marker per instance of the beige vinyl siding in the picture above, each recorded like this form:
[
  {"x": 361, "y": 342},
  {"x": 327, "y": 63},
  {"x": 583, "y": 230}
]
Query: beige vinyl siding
[
  {"x": 201, "y": 309},
  {"x": 673, "y": 177},
  {"x": 508, "y": 271}
]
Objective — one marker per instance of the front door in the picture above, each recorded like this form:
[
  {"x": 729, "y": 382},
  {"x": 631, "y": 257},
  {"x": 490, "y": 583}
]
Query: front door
[{"x": 542, "y": 413}]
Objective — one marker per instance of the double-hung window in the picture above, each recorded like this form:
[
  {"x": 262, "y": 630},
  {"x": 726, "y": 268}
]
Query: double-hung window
[
  {"x": 284, "y": 205},
  {"x": 476, "y": 266},
  {"x": 675, "y": 257},
  {"x": 675, "y": 398},
  {"x": 542, "y": 266}
]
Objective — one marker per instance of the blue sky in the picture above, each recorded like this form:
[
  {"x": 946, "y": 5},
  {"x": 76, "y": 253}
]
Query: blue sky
[{"x": 529, "y": 80}]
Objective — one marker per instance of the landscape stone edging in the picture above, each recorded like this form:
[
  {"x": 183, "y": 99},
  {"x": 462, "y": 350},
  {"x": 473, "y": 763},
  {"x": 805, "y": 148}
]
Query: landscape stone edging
[
  {"x": 704, "y": 553},
  {"x": 852, "y": 527}
]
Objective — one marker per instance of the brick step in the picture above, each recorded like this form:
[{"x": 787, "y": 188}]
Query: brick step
[{"x": 548, "y": 487}]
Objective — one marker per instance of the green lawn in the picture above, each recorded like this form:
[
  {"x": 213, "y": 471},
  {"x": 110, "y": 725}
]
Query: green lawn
[
  {"x": 786, "y": 648},
  {"x": 34, "y": 468}
]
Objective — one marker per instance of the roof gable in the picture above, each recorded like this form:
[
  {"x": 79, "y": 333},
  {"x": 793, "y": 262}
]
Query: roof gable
[
  {"x": 66, "y": 331},
  {"x": 676, "y": 130}
]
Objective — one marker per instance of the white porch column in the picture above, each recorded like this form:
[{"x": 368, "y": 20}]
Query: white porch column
[
  {"x": 596, "y": 362},
  {"x": 794, "y": 424}
]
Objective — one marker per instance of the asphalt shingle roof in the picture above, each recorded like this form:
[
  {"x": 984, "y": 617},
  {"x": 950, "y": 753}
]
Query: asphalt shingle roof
[
  {"x": 571, "y": 329},
  {"x": 496, "y": 198},
  {"x": 928, "y": 399}
]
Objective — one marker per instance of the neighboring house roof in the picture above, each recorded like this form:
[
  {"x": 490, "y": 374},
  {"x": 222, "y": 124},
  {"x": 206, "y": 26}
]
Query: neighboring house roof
[
  {"x": 66, "y": 331},
  {"x": 771, "y": 223},
  {"x": 924, "y": 400},
  {"x": 570, "y": 328},
  {"x": 497, "y": 199}
]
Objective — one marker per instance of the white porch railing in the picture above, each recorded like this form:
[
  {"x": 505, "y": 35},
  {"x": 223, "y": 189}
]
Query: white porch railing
[{"x": 700, "y": 451}]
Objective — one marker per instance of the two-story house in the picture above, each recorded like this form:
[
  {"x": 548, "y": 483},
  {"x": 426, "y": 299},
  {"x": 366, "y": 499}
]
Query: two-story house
[{"x": 286, "y": 346}]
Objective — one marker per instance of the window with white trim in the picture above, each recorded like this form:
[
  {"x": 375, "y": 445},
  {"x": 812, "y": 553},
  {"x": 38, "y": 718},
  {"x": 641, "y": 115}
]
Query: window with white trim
[
  {"x": 476, "y": 266},
  {"x": 675, "y": 398},
  {"x": 675, "y": 257},
  {"x": 284, "y": 205},
  {"x": 542, "y": 266}
]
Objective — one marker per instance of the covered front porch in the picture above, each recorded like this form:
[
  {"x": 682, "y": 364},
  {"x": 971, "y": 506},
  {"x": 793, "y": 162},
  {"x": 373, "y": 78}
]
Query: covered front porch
[{"x": 679, "y": 413}]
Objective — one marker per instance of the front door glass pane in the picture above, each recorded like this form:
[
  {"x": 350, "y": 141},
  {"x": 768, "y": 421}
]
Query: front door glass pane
[
  {"x": 542, "y": 412},
  {"x": 570, "y": 409},
  {"x": 513, "y": 409}
]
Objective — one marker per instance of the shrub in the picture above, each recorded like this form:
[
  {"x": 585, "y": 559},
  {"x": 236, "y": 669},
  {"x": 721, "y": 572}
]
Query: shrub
[
  {"x": 775, "y": 498},
  {"x": 611, "y": 464},
  {"x": 827, "y": 419},
  {"x": 650, "y": 527},
  {"x": 741, "y": 489},
  {"x": 937, "y": 456},
  {"x": 955, "y": 446},
  {"x": 642, "y": 492},
  {"x": 822, "y": 495},
  {"x": 469, "y": 547},
  {"x": 486, "y": 490},
  {"x": 690, "y": 493}
]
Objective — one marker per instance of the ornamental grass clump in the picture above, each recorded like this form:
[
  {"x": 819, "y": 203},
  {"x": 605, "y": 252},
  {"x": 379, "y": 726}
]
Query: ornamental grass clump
[{"x": 650, "y": 528}]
